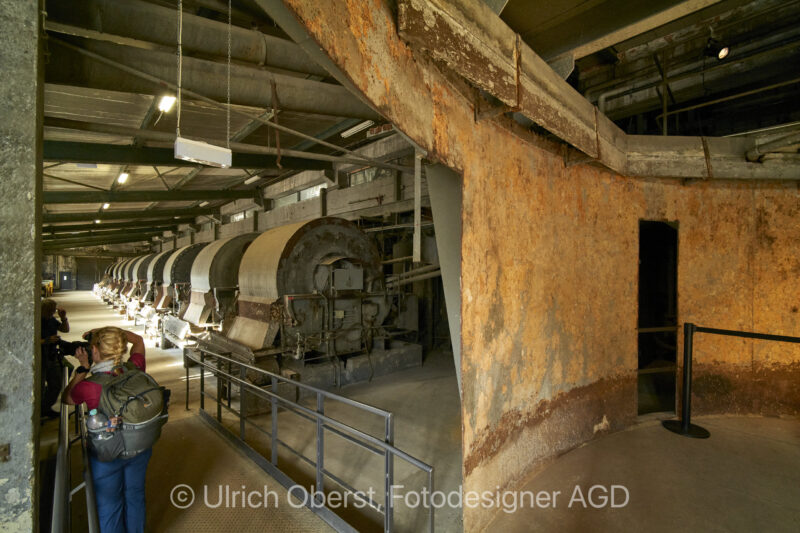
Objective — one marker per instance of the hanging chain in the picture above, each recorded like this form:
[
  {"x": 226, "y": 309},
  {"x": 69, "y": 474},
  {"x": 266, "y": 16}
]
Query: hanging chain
[
  {"x": 180, "y": 63},
  {"x": 228, "y": 107}
]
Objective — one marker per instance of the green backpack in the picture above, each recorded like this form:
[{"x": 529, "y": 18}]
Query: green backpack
[{"x": 142, "y": 404}]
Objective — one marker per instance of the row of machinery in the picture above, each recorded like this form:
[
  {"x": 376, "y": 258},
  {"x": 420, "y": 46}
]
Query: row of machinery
[{"x": 308, "y": 300}]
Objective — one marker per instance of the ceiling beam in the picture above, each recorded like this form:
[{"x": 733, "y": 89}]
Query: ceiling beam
[
  {"x": 510, "y": 71},
  {"x": 93, "y": 241},
  {"x": 235, "y": 145},
  {"x": 113, "y": 234},
  {"x": 123, "y": 215},
  {"x": 578, "y": 46},
  {"x": 92, "y": 197},
  {"x": 112, "y": 154},
  {"x": 69, "y": 228}
]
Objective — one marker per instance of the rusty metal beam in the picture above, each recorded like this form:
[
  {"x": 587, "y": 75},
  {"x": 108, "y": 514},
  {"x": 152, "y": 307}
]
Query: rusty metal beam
[{"x": 474, "y": 42}]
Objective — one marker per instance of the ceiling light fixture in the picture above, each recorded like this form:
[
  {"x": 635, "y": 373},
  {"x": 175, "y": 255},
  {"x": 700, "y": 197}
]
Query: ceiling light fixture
[
  {"x": 197, "y": 151},
  {"x": 203, "y": 203},
  {"x": 123, "y": 177},
  {"x": 97, "y": 221},
  {"x": 166, "y": 103},
  {"x": 714, "y": 48},
  {"x": 357, "y": 128},
  {"x": 106, "y": 205},
  {"x": 252, "y": 179}
]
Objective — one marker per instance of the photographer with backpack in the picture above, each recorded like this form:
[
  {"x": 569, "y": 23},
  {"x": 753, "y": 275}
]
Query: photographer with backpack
[{"x": 135, "y": 407}]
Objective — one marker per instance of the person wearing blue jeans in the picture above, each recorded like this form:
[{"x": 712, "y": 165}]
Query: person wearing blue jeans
[
  {"x": 118, "y": 484},
  {"x": 119, "y": 492}
]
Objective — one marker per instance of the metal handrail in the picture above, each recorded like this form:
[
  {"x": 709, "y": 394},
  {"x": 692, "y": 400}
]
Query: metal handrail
[
  {"x": 62, "y": 495},
  {"x": 684, "y": 426},
  {"x": 59, "y": 517},
  {"x": 323, "y": 422}
]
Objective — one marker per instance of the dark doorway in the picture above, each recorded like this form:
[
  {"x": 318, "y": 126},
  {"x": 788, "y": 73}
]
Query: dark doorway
[
  {"x": 67, "y": 281},
  {"x": 658, "y": 315}
]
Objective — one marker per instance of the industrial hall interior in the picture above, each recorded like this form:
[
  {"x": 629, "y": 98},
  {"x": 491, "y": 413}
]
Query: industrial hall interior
[{"x": 400, "y": 265}]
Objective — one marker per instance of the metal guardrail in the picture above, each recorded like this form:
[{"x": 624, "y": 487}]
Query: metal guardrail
[
  {"x": 62, "y": 494},
  {"x": 324, "y": 423},
  {"x": 684, "y": 426}
]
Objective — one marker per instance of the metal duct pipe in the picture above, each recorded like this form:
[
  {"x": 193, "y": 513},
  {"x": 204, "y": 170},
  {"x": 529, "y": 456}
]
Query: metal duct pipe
[
  {"x": 754, "y": 154},
  {"x": 157, "y": 24},
  {"x": 249, "y": 86},
  {"x": 414, "y": 272},
  {"x": 406, "y": 281}
]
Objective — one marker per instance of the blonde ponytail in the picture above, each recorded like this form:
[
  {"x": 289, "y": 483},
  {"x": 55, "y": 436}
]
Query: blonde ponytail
[{"x": 111, "y": 342}]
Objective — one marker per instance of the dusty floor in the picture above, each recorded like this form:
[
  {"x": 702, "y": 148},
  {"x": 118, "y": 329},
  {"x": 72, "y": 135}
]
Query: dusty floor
[
  {"x": 427, "y": 425},
  {"x": 746, "y": 477}
]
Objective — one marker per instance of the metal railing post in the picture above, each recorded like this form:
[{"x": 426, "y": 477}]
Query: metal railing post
[
  {"x": 430, "y": 500},
  {"x": 242, "y": 403},
  {"x": 388, "y": 517},
  {"x": 186, "y": 366},
  {"x": 202, "y": 380},
  {"x": 684, "y": 426},
  {"x": 274, "y": 434},
  {"x": 320, "y": 446}
]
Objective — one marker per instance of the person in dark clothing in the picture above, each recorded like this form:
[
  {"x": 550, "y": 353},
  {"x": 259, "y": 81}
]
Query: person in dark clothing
[{"x": 51, "y": 362}]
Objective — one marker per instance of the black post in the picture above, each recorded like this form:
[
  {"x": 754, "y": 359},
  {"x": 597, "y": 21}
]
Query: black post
[
  {"x": 186, "y": 366},
  {"x": 684, "y": 426}
]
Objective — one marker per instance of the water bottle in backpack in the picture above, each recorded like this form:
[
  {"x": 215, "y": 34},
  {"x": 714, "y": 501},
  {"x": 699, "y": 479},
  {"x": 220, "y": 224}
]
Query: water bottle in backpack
[{"x": 97, "y": 423}]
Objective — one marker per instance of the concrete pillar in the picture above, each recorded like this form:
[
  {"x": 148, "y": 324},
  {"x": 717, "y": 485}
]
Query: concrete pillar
[{"x": 20, "y": 262}]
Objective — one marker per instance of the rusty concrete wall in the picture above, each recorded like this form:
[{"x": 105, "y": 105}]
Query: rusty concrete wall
[{"x": 550, "y": 262}]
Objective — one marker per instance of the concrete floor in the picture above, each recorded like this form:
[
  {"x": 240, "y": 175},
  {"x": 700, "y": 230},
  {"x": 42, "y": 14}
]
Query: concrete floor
[
  {"x": 746, "y": 477},
  {"x": 190, "y": 452}
]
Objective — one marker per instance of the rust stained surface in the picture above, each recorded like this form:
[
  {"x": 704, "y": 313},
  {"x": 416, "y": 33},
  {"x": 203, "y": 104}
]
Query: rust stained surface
[{"x": 550, "y": 265}]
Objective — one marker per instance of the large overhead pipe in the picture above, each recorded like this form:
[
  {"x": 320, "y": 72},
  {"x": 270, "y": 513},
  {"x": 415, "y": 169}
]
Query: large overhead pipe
[
  {"x": 151, "y": 23},
  {"x": 124, "y": 215},
  {"x": 89, "y": 197},
  {"x": 249, "y": 86},
  {"x": 759, "y": 151}
]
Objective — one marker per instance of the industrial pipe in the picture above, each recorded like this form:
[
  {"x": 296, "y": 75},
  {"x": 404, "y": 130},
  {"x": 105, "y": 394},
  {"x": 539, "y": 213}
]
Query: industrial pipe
[
  {"x": 158, "y": 24},
  {"x": 249, "y": 86},
  {"x": 406, "y": 281},
  {"x": 754, "y": 154},
  {"x": 414, "y": 272}
]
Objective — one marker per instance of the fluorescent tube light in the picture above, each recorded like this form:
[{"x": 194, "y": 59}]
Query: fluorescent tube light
[
  {"x": 252, "y": 179},
  {"x": 166, "y": 103},
  {"x": 97, "y": 221},
  {"x": 202, "y": 153},
  {"x": 357, "y": 128},
  {"x": 123, "y": 177},
  {"x": 203, "y": 203},
  {"x": 106, "y": 205}
]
